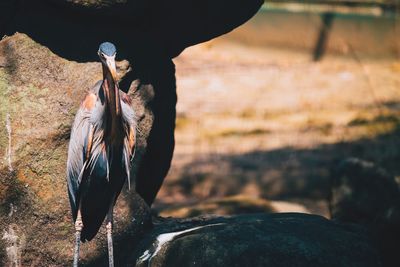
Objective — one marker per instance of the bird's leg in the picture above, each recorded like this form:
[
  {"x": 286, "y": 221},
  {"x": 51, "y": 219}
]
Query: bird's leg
[
  {"x": 78, "y": 229},
  {"x": 109, "y": 226}
]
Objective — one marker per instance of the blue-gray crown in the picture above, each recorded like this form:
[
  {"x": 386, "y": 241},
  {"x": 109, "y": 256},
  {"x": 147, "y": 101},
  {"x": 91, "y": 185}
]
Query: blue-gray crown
[{"x": 107, "y": 48}]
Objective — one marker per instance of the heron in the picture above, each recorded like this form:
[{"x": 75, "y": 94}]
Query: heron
[{"x": 100, "y": 153}]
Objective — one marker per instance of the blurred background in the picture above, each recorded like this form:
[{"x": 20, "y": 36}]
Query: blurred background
[{"x": 266, "y": 111}]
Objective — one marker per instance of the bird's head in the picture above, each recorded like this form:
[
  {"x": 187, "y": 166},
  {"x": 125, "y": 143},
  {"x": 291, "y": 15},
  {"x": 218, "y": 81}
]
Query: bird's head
[{"x": 107, "y": 52}]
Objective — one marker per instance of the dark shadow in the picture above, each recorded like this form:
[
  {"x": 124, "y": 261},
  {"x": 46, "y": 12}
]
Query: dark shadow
[
  {"x": 126, "y": 240},
  {"x": 139, "y": 28},
  {"x": 282, "y": 174},
  {"x": 10, "y": 64},
  {"x": 365, "y": 194},
  {"x": 320, "y": 46},
  {"x": 392, "y": 105},
  {"x": 297, "y": 174}
]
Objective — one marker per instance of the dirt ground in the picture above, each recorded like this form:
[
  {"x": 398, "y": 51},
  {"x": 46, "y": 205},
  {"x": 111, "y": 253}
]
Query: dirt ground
[{"x": 262, "y": 123}]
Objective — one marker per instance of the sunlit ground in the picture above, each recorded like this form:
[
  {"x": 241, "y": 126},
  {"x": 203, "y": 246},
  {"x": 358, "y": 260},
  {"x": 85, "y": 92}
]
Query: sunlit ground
[{"x": 259, "y": 123}]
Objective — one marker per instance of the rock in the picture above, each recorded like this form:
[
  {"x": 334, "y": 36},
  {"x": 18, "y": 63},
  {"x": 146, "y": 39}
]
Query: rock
[
  {"x": 39, "y": 95},
  {"x": 365, "y": 194},
  {"x": 163, "y": 28},
  {"x": 93, "y": 3},
  {"x": 282, "y": 239}
]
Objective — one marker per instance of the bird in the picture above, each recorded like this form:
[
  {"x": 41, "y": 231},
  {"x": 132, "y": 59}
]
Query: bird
[{"x": 100, "y": 154}]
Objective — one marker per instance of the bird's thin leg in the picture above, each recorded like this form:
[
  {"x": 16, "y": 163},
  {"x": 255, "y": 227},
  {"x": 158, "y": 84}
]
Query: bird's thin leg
[
  {"x": 78, "y": 230},
  {"x": 109, "y": 226}
]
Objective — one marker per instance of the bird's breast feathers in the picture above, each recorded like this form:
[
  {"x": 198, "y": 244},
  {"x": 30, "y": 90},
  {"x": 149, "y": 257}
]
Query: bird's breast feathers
[{"x": 89, "y": 102}]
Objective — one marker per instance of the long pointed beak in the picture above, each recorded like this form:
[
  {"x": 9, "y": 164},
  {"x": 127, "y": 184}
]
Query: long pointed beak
[
  {"x": 111, "y": 66},
  {"x": 113, "y": 90}
]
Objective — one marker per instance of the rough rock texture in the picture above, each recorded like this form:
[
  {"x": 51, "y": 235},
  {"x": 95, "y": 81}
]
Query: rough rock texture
[
  {"x": 282, "y": 239},
  {"x": 365, "y": 194},
  {"x": 39, "y": 96}
]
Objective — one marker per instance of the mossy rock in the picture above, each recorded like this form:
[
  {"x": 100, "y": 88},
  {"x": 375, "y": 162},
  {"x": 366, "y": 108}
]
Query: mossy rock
[{"x": 40, "y": 93}]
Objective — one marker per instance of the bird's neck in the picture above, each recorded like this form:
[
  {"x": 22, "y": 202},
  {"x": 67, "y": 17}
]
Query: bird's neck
[{"x": 113, "y": 107}]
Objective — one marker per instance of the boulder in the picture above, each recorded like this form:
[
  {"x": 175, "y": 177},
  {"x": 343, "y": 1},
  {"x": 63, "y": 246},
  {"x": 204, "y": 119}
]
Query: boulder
[
  {"x": 163, "y": 28},
  {"x": 40, "y": 93},
  {"x": 281, "y": 239},
  {"x": 366, "y": 194}
]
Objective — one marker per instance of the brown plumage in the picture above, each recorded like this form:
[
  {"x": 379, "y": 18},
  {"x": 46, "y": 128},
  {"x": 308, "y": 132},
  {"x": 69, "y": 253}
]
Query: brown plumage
[{"x": 100, "y": 151}]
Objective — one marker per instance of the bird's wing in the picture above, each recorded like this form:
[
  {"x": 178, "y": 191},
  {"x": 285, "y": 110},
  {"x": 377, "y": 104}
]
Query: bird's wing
[
  {"x": 80, "y": 147},
  {"x": 130, "y": 133}
]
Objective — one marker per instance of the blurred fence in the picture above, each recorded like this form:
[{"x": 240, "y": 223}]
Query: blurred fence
[{"x": 350, "y": 28}]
